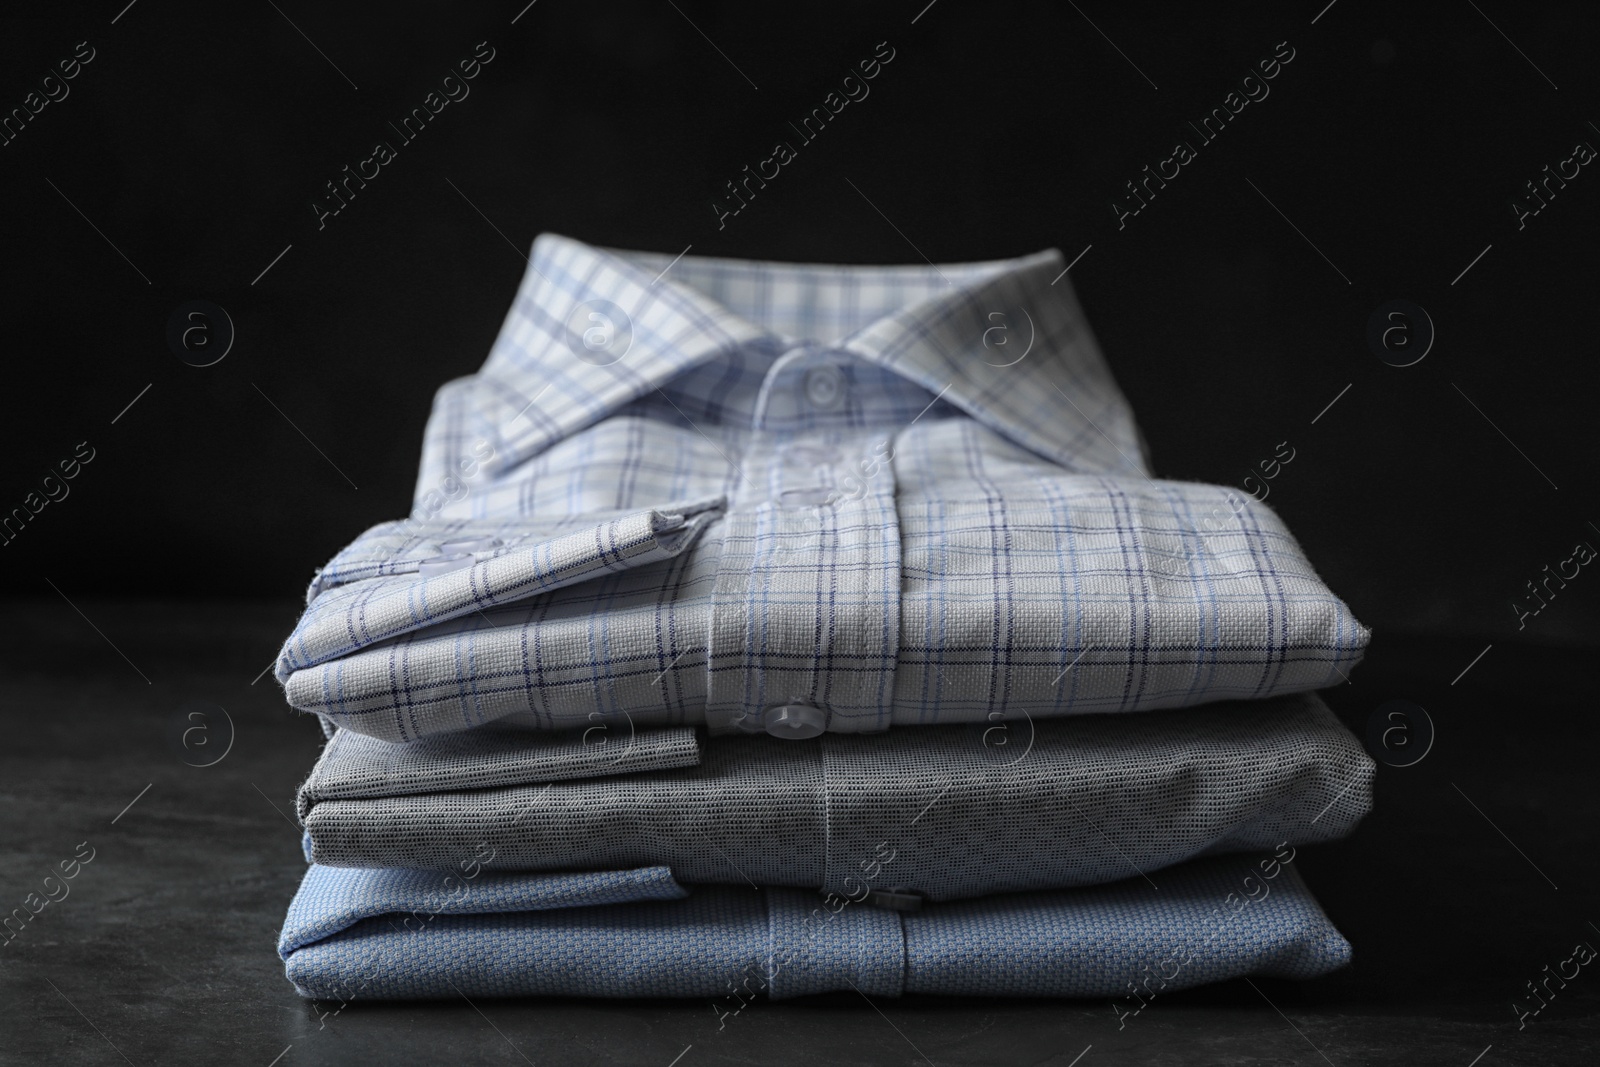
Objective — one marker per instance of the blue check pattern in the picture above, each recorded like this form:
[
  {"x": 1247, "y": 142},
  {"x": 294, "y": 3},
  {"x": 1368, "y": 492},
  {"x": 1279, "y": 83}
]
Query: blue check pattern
[{"x": 903, "y": 495}]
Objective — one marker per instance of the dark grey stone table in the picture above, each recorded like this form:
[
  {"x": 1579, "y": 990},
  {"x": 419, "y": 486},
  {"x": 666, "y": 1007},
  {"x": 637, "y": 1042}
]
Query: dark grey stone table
[{"x": 1477, "y": 870}]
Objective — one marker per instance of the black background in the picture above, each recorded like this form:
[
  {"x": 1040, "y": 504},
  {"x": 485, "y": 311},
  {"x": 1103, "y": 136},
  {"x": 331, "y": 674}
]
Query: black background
[
  {"x": 1395, "y": 140},
  {"x": 182, "y": 166}
]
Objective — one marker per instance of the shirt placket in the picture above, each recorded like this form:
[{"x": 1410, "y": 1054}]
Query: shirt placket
[{"x": 806, "y": 610}]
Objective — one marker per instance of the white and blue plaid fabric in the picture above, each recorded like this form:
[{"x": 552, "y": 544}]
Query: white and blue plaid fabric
[
  {"x": 391, "y": 934},
  {"x": 697, "y": 488}
]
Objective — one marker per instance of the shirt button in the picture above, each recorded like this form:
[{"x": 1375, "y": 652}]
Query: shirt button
[
  {"x": 795, "y": 721},
  {"x": 825, "y": 386}
]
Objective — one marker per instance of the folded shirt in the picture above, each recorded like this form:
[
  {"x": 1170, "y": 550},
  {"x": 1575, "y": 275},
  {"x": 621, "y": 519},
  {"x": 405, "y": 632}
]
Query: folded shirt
[
  {"x": 1009, "y": 806},
  {"x": 776, "y": 497},
  {"x": 389, "y": 934}
]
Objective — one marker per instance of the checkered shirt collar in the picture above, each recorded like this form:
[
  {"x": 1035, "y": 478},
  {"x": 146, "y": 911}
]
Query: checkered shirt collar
[{"x": 1005, "y": 341}]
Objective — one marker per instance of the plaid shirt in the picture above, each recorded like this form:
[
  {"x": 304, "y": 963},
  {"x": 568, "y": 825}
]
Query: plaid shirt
[{"x": 683, "y": 505}]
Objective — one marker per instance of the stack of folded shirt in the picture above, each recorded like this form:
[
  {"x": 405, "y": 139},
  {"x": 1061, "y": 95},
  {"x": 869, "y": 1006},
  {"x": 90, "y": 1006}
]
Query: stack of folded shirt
[{"x": 718, "y": 659}]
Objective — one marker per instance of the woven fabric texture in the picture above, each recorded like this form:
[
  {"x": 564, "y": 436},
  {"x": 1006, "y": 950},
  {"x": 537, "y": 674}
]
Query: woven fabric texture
[
  {"x": 374, "y": 589},
  {"x": 332, "y": 899},
  {"x": 354, "y": 766},
  {"x": 922, "y": 499},
  {"x": 959, "y": 811},
  {"x": 1208, "y": 921}
]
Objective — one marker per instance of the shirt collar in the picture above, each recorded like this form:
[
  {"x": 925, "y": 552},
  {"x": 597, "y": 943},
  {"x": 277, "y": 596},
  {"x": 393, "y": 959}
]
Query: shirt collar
[{"x": 1005, "y": 341}]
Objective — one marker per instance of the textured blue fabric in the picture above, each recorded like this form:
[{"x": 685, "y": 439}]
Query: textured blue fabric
[
  {"x": 1204, "y": 921},
  {"x": 332, "y": 899}
]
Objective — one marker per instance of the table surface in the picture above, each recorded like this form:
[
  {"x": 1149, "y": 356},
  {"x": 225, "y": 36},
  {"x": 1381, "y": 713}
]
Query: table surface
[{"x": 1476, "y": 870}]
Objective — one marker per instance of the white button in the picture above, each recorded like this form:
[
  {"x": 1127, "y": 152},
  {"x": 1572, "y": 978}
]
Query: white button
[
  {"x": 815, "y": 496},
  {"x": 470, "y": 544},
  {"x": 825, "y": 386},
  {"x": 896, "y": 899},
  {"x": 795, "y": 721},
  {"x": 444, "y": 564}
]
